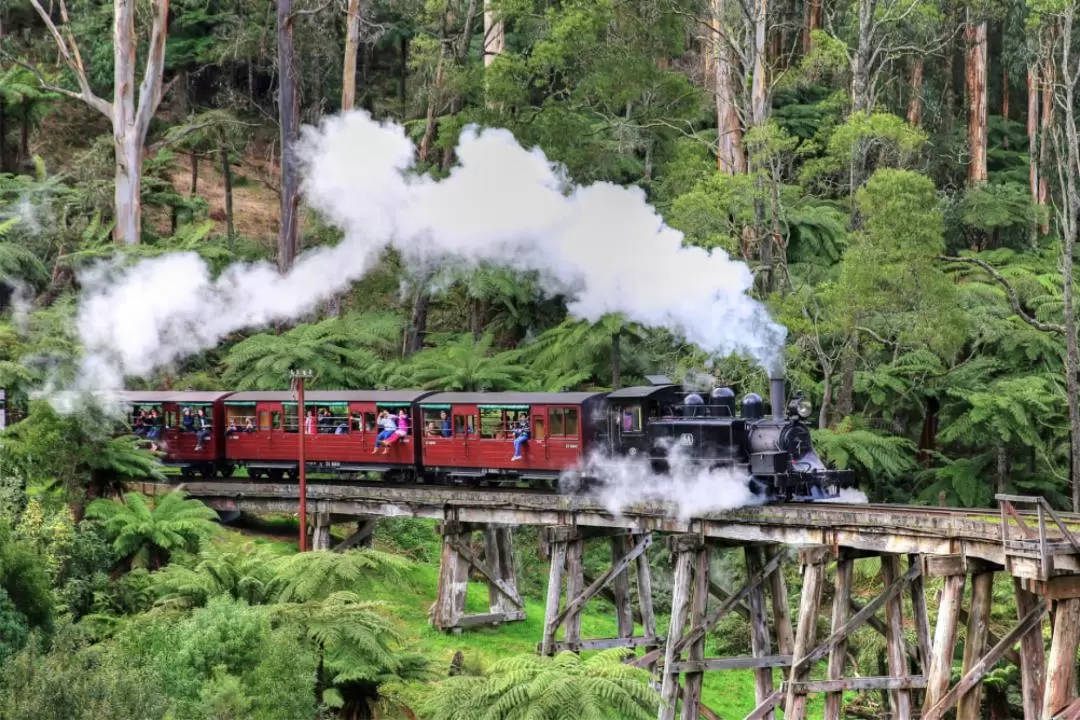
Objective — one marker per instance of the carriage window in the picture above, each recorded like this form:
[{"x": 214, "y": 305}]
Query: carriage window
[
  {"x": 492, "y": 423},
  {"x": 275, "y": 420},
  {"x": 332, "y": 419},
  {"x": 370, "y": 422},
  {"x": 556, "y": 415},
  {"x": 538, "y": 428},
  {"x": 239, "y": 417},
  {"x": 564, "y": 421},
  {"x": 630, "y": 422},
  {"x": 437, "y": 423},
  {"x": 292, "y": 424},
  {"x": 264, "y": 419},
  {"x": 170, "y": 418},
  {"x": 571, "y": 421},
  {"x": 356, "y": 421},
  {"x": 464, "y": 425}
]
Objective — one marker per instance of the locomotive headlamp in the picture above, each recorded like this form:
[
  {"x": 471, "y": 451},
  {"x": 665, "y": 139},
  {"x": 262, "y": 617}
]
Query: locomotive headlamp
[{"x": 800, "y": 406}]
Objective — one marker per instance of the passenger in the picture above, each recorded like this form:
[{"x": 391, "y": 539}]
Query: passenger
[
  {"x": 628, "y": 420},
  {"x": 388, "y": 428},
  {"x": 232, "y": 429},
  {"x": 430, "y": 431},
  {"x": 187, "y": 422},
  {"x": 521, "y": 436},
  {"x": 401, "y": 432},
  {"x": 249, "y": 426},
  {"x": 447, "y": 430},
  {"x": 140, "y": 422},
  {"x": 202, "y": 429},
  {"x": 309, "y": 423},
  {"x": 341, "y": 429},
  {"x": 325, "y": 422},
  {"x": 154, "y": 430}
]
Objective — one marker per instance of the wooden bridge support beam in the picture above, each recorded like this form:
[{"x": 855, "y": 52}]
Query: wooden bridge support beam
[
  {"x": 364, "y": 537},
  {"x": 982, "y": 585},
  {"x": 566, "y": 545},
  {"x": 845, "y": 565},
  {"x": 1032, "y": 654},
  {"x": 320, "y": 531},
  {"x": 1061, "y": 663},
  {"x": 813, "y": 561},
  {"x": 497, "y": 569}
]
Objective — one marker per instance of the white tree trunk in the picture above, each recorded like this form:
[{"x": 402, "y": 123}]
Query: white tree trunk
[
  {"x": 729, "y": 152},
  {"x": 494, "y": 35},
  {"x": 759, "y": 95},
  {"x": 130, "y": 117},
  {"x": 352, "y": 44}
]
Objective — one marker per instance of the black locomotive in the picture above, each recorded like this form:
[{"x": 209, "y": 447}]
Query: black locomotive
[{"x": 684, "y": 431}]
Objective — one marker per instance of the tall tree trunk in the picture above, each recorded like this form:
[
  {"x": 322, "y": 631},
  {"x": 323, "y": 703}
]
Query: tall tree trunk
[
  {"x": 24, "y": 136},
  {"x": 616, "y": 360},
  {"x": 1005, "y": 97},
  {"x": 975, "y": 75},
  {"x": 494, "y": 34},
  {"x": 915, "y": 104},
  {"x": 860, "y": 71},
  {"x": 1069, "y": 218},
  {"x": 1046, "y": 120},
  {"x": 759, "y": 93},
  {"x": 1033, "y": 142},
  {"x": 352, "y": 45},
  {"x": 194, "y": 173},
  {"x": 845, "y": 402},
  {"x": 811, "y": 22},
  {"x": 226, "y": 172},
  {"x": 729, "y": 152},
  {"x": 1001, "y": 471},
  {"x": 414, "y": 336},
  {"x": 3, "y": 138},
  {"x": 289, "y": 121}
]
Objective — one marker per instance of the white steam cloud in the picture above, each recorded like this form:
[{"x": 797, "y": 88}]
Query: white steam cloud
[
  {"x": 686, "y": 491},
  {"x": 602, "y": 244}
]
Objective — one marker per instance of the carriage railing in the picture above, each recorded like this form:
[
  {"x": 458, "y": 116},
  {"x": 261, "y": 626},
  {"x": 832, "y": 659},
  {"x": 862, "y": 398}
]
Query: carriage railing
[{"x": 1051, "y": 534}]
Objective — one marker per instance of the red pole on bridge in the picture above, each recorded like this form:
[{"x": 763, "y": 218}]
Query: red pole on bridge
[{"x": 298, "y": 377}]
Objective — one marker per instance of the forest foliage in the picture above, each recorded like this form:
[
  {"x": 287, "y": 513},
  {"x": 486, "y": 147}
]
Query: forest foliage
[{"x": 901, "y": 176}]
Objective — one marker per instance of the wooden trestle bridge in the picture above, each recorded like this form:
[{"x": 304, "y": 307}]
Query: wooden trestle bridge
[{"x": 1024, "y": 538}]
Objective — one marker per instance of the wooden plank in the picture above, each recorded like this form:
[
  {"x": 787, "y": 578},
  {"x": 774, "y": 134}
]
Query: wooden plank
[
  {"x": 766, "y": 706},
  {"x": 726, "y": 607},
  {"x": 722, "y": 595},
  {"x": 1073, "y": 540},
  {"x": 605, "y": 644},
  {"x": 1032, "y": 655},
  {"x": 493, "y": 579},
  {"x": 620, "y": 584},
  {"x": 452, "y": 586},
  {"x": 645, "y": 593},
  {"x": 805, "y": 633},
  {"x": 973, "y": 676},
  {"x": 468, "y": 621},
  {"x": 1061, "y": 662},
  {"x": 680, "y": 606},
  {"x": 617, "y": 567},
  {"x": 693, "y": 680},
  {"x": 365, "y": 529},
  {"x": 837, "y": 687},
  {"x": 921, "y": 618},
  {"x": 944, "y": 647},
  {"x": 841, "y": 607},
  {"x": 992, "y": 639},
  {"x": 554, "y": 596},
  {"x": 982, "y": 586},
  {"x": 858, "y": 620},
  {"x": 759, "y": 626},
  {"x": 575, "y": 583},
  {"x": 899, "y": 698},
  {"x": 1028, "y": 532},
  {"x": 735, "y": 663}
]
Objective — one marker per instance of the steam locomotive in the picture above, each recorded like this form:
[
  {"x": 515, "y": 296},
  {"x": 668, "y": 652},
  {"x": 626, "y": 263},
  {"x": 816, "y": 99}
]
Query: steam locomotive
[
  {"x": 776, "y": 451},
  {"x": 467, "y": 438}
]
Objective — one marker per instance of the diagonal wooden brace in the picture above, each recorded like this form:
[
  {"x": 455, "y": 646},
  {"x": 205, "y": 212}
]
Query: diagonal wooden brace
[
  {"x": 578, "y": 603},
  {"x": 484, "y": 570}
]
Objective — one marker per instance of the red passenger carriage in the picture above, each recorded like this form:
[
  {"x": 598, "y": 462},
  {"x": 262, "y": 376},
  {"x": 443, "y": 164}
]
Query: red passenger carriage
[
  {"x": 177, "y": 443},
  {"x": 470, "y": 435},
  {"x": 261, "y": 431}
]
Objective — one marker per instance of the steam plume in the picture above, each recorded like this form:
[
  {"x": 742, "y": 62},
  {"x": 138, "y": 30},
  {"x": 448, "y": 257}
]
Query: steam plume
[{"x": 602, "y": 244}]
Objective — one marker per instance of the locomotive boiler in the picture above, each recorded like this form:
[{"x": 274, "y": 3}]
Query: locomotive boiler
[{"x": 774, "y": 449}]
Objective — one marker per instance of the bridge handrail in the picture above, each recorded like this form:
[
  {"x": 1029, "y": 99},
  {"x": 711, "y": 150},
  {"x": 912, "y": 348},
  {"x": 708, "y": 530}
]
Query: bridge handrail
[{"x": 1006, "y": 504}]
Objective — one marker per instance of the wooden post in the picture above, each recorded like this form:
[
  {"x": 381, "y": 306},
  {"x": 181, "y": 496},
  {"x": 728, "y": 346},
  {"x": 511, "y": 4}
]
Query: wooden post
[
  {"x": 1031, "y": 655},
  {"x": 684, "y": 547},
  {"x": 921, "y": 617},
  {"x": 785, "y": 635},
  {"x": 554, "y": 594},
  {"x": 1061, "y": 663},
  {"x": 813, "y": 562},
  {"x": 453, "y": 576},
  {"x": 759, "y": 627},
  {"x": 644, "y": 591},
  {"x": 941, "y": 654},
  {"x": 499, "y": 554},
  {"x": 841, "y": 608},
  {"x": 900, "y": 700},
  {"x": 620, "y": 588},
  {"x": 575, "y": 583},
  {"x": 982, "y": 585},
  {"x": 692, "y": 689},
  {"x": 320, "y": 533}
]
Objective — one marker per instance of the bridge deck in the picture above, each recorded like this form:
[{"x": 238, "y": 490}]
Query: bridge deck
[{"x": 874, "y": 528}]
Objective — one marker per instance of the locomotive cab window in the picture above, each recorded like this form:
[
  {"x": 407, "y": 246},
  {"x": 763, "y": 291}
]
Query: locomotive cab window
[{"x": 630, "y": 419}]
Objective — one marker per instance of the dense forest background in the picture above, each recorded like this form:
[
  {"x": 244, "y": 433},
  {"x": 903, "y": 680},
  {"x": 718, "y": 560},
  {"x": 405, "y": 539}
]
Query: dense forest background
[{"x": 900, "y": 175}]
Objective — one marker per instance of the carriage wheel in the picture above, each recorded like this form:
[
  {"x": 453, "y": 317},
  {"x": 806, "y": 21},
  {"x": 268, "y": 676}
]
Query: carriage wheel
[{"x": 227, "y": 470}]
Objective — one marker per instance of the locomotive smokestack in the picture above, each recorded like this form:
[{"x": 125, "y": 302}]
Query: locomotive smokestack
[{"x": 776, "y": 395}]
